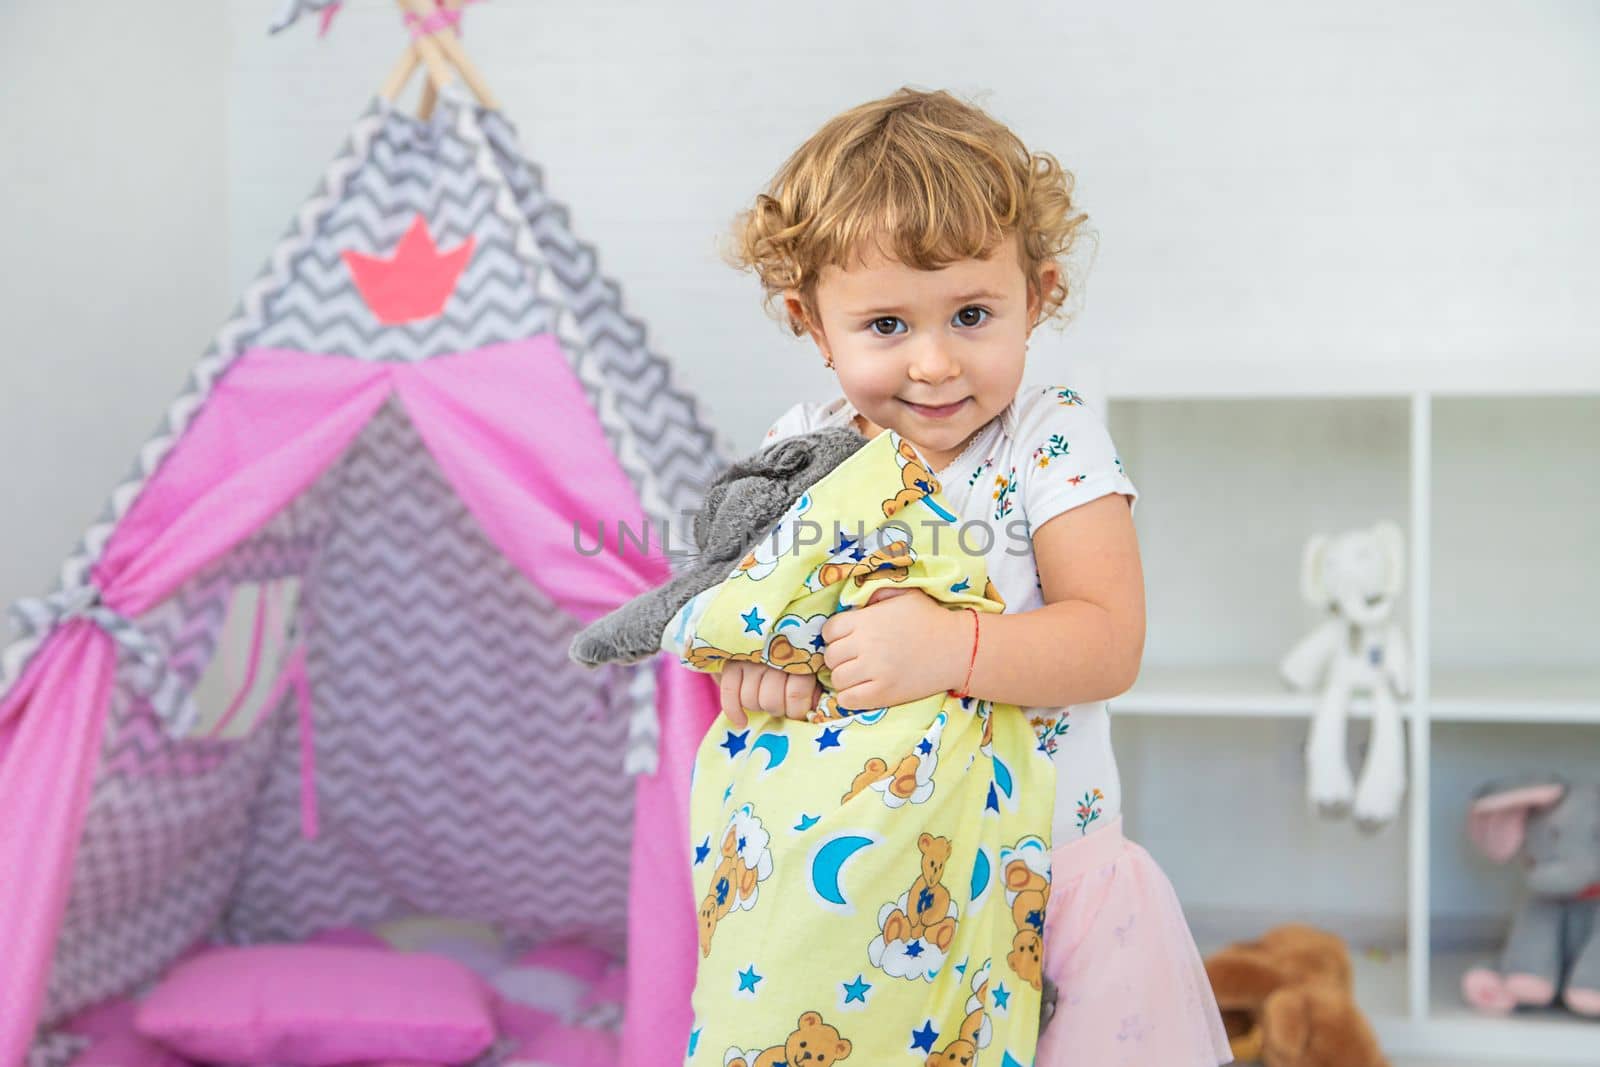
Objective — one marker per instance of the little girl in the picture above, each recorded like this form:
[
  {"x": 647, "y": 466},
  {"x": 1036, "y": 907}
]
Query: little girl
[{"x": 916, "y": 241}]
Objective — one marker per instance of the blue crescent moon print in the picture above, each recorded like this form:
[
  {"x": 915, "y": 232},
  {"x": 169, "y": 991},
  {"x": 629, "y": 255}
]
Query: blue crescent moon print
[
  {"x": 827, "y": 861},
  {"x": 981, "y": 870},
  {"x": 1002, "y": 778},
  {"x": 776, "y": 746}
]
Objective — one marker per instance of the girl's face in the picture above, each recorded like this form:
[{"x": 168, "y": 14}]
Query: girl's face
[{"x": 933, "y": 355}]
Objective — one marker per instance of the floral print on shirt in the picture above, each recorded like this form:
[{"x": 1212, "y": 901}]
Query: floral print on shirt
[
  {"x": 1056, "y": 446},
  {"x": 1049, "y": 729},
  {"x": 1089, "y": 809},
  {"x": 1004, "y": 486}
]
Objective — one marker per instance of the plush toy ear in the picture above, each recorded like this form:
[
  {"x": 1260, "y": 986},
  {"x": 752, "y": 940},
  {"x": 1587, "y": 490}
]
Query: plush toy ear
[
  {"x": 1242, "y": 978},
  {"x": 1393, "y": 539},
  {"x": 1498, "y": 818},
  {"x": 1312, "y": 559}
]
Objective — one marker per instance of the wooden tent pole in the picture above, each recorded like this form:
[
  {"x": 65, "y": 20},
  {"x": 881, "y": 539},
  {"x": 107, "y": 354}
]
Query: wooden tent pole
[
  {"x": 396, "y": 82},
  {"x": 446, "y": 41}
]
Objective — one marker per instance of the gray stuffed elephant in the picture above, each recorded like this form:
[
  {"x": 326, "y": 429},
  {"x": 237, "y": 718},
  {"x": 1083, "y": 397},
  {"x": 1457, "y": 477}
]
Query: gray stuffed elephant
[
  {"x": 1552, "y": 953},
  {"x": 741, "y": 505}
]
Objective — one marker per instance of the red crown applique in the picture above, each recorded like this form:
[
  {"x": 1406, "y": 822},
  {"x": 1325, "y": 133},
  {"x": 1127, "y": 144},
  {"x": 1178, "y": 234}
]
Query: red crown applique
[{"x": 413, "y": 283}]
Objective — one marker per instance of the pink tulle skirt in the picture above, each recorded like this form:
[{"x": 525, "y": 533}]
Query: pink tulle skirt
[{"x": 1132, "y": 990}]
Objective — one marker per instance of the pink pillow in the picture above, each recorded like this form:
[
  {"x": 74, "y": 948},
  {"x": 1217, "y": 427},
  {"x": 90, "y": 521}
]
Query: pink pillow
[
  {"x": 319, "y": 1005},
  {"x": 115, "y": 1044}
]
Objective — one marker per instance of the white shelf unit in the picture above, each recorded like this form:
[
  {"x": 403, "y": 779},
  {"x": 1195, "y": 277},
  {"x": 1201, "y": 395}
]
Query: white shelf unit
[{"x": 1410, "y": 989}]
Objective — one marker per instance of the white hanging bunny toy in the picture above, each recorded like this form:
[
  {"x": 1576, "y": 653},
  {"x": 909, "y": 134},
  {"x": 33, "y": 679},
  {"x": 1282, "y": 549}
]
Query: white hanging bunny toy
[{"x": 1357, "y": 576}]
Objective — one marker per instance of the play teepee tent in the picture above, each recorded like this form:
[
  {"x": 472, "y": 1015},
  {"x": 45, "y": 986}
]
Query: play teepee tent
[{"x": 378, "y": 466}]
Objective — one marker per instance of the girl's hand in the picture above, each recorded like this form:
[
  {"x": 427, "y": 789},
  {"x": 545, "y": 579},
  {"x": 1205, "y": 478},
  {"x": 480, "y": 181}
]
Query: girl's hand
[
  {"x": 902, "y": 646},
  {"x": 756, "y": 685}
]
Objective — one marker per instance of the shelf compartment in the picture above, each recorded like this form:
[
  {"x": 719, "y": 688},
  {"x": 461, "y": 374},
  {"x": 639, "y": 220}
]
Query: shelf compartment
[
  {"x": 1514, "y": 695},
  {"x": 1454, "y": 1031},
  {"x": 1225, "y": 692}
]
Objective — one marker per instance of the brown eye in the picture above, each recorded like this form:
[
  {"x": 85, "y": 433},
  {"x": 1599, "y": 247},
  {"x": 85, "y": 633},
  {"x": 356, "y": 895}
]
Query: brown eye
[
  {"x": 972, "y": 316},
  {"x": 891, "y": 320}
]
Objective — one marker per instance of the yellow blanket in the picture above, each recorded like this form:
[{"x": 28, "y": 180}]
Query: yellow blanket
[{"x": 873, "y": 881}]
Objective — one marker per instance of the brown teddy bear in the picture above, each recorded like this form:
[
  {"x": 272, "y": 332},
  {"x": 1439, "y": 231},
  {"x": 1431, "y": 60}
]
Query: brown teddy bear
[
  {"x": 1288, "y": 1001},
  {"x": 814, "y": 1044},
  {"x": 963, "y": 1051},
  {"x": 917, "y": 479},
  {"x": 892, "y": 562},
  {"x": 1032, "y": 890},
  {"x": 927, "y": 899},
  {"x": 903, "y": 778},
  {"x": 959, "y": 1053},
  {"x": 731, "y": 880}
]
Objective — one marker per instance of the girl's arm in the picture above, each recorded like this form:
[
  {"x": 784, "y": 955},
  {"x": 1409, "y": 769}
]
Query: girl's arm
[{"x": 1087, "y": 641}]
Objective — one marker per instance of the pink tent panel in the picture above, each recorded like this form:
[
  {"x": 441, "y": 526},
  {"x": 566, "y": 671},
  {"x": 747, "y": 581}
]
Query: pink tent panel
[{"x": 504, "y": 423}]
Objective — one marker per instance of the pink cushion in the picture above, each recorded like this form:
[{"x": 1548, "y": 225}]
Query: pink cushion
[
  {"x": 319, "y": 1005},
  {"x": 561, "y": 1045},
  {"x": 115, "y": 1043}
]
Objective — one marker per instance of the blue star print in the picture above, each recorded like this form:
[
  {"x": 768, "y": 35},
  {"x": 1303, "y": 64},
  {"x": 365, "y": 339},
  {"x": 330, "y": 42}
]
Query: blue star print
[
  {"x": 993, "y": 803},
  {"x": 806, "y": 822},
  {"x": 914, "y": 949},
  {"x": 735, "y": 742},
  {"x": 753, "y": 621},
  {"x": 748, "y": 979},
  {"x": 818, "y": 643},
  {"x": 1002, "y": 996},
  {"x": 844, "y": 543},
  {"x": 829, "y": 738},
  {"x": 962, "y": 586},
  {"x": 701, "y": 851},
  {"x": 925, "y": 746},
  {"x": 924, "y": 1038},
  {"x": 856, "y": 990}
]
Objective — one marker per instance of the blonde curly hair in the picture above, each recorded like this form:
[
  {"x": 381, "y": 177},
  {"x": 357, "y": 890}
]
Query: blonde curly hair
[{"x": 928, "y": 178}]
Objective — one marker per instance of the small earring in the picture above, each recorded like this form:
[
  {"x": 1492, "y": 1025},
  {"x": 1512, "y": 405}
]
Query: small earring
[{"x": 829, "y": 362}]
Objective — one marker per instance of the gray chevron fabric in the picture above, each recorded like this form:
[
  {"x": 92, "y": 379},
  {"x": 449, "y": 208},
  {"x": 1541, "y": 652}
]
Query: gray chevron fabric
[
  {"x": 464, "y": 765},
  {"x": 468, "y": 771}
]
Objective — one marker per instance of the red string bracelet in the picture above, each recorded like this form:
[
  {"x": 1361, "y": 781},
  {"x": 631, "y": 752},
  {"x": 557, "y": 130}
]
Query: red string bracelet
[{"x": 974, "y": 659}]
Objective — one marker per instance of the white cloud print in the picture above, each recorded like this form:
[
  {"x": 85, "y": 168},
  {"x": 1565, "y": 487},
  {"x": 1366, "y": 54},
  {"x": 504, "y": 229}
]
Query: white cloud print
[
  {"x": 912, "y": 958},
  {"x": 751, "y": 840}
]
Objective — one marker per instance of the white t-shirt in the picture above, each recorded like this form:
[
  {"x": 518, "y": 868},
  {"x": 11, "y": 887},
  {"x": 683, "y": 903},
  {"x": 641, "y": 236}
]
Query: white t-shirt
[{"x": 1046, "y": 453}]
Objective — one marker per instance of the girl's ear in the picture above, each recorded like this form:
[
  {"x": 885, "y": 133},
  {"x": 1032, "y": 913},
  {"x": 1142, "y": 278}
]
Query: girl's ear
[
  {"x": 800, "y": 322},
  {"x": 1044, "y": 282}
]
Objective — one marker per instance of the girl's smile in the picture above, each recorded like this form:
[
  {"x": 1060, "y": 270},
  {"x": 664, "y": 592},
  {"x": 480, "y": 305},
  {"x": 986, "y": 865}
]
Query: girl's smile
[{"x": 942, "y": 411}]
